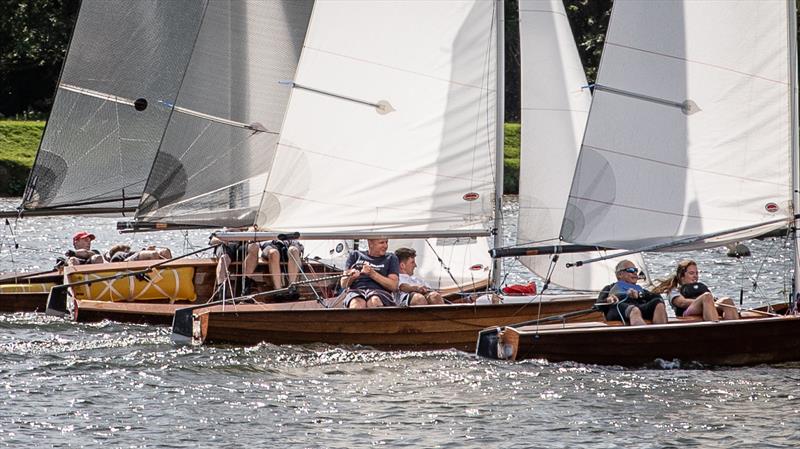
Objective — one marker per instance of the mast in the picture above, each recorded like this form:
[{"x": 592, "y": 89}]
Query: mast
[
  {"x": 499, "y": 140},
  {"x": 793, "y": 113}
]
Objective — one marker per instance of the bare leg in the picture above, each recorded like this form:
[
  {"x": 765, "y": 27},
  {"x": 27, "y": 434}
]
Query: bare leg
[
  {"x": 417, "y": 299},
  {"x": 709, "y": 308},
  {"x": 635, "y": 317},
  {"x": 729, "y": 311},
  {"x": 660, "y": 314},
  {"x": 223, "y": 263},
  {"x": 250, "y": 260},
  {"x": 357, "y": 303},
  {"x": 292, "y": 268},
  {"x": 374, "y": 301},
  {"x": 274, "y": 262},
  {"x": 435, "y": 298}
]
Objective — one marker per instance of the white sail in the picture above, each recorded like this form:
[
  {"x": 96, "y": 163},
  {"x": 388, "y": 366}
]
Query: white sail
[
  {"x": 555, "y": 104},
  {"x": 689, "y": 131},
  {"x": 391, "y": 121}
]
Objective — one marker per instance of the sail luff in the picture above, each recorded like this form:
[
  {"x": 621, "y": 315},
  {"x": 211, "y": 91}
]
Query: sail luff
[
  {"x": 500, "y": 138},
  {"x": 791, "y": 12}
]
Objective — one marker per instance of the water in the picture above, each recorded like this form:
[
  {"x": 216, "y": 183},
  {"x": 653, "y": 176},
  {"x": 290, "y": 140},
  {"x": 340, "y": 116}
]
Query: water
[{"x": 75, "y": 385}]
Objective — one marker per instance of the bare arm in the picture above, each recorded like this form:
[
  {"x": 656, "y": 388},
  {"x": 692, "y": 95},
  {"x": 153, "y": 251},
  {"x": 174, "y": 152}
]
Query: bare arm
[{"x": 387, "y": 282}]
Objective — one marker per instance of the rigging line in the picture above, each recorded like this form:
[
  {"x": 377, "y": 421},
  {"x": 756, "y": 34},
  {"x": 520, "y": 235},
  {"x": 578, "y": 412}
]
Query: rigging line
[{"x": 446, "y": 268}]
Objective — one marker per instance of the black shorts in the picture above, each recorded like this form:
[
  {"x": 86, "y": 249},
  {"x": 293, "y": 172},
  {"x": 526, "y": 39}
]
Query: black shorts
[
  {"x": 234, "y": 250},
  {"x": 621, "y": 311}
]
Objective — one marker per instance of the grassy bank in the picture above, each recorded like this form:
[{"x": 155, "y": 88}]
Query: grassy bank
[
  {"x": 20, "y": 139},
  {"x": 18, "y": 143}
]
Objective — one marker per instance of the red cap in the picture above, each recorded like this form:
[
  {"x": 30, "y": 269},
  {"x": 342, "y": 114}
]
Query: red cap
[{"x": 82, "y": 235}]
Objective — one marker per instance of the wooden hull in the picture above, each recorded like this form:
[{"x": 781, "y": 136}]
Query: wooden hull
[
  {"x": 390, "y": 328},
  {"x": 22, "y": 302},
  {"x": 11, "y": 302},
  {"x": 123, "y": 312},
  {"x": 742, "y": 342}
]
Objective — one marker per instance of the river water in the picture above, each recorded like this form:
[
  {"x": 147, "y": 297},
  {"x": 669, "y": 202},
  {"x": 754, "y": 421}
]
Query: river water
[{"x": 76, "y": 385}]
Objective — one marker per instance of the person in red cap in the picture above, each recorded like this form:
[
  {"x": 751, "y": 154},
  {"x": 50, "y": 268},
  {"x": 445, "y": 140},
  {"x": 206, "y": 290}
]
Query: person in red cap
[{"x": 83, "y": 252}]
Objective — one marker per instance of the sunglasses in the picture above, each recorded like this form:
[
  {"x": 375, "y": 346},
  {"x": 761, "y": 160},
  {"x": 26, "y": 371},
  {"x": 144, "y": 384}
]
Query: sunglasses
[{"x": 631, "y": 270}]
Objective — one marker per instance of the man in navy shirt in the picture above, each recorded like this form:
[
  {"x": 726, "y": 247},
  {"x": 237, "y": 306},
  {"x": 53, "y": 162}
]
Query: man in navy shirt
[{"x": 372, "y": 276}]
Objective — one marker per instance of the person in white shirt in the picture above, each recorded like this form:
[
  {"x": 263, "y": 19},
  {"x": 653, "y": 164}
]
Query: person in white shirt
[{"x": 413, "y": 291}]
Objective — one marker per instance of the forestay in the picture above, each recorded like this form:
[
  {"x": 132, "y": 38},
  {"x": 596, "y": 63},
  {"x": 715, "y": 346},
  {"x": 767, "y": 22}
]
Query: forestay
[
  {"x": 391, "y": 121},
  {"x": 97, "y": 148},
  {"x": 219, "y": 145},
  {"x": 555, "y": 104},
  {"x": 689, "y": 131}
]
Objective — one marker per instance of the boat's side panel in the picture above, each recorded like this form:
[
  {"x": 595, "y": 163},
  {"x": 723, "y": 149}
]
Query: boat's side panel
[
  {"x": 137, "y": 313},
  {"x": 732, "y": 343},
  {"x": 427, "y": 327},
  {"x": 23, "y": 302}
]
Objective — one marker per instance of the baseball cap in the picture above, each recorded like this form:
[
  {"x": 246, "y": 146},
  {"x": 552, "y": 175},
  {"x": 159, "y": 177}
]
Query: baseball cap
[{"x": 82, "y": 235}]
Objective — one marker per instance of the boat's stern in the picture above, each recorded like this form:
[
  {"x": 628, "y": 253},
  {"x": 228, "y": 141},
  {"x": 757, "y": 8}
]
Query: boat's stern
[{"x": 492, "y": 345}]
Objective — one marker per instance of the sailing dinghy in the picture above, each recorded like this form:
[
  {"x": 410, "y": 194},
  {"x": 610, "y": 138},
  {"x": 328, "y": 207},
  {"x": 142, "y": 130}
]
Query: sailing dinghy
[
  {"x": 426, "y": 167},
  {"x": 691, "y": 142}
]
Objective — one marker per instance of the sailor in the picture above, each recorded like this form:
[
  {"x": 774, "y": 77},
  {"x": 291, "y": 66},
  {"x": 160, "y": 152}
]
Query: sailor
[
  {"x": 690, "y": 297},
  {"x": 413, "y": 291},
  {"x": 275, "y": 251},
  {"x": 372, "y": 276},
  {"x": 630, "y": 303},
  {"x": 226, "y": 252},
  {"x": 82, "y": 252}
]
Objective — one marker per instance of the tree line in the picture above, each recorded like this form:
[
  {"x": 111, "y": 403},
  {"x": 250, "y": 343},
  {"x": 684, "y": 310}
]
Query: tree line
[{"x": 35, "y": 34}]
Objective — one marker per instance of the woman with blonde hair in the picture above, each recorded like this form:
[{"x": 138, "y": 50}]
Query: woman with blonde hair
[{"x": 689, "y": 297}]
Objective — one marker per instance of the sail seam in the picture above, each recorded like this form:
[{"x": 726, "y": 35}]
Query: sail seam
[
  {"x": 692, "y": 61},
  {"x": 399, "y": 69},
  {"x": 690, "y": 169}
]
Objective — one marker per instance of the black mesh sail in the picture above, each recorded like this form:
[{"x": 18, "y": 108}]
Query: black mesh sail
[{"x": 125, "y": 65}]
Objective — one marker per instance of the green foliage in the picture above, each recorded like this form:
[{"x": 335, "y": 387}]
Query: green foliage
[
  {"x": 18, "y": 144},
  {"x": 19, "y": 140},
  {"x": 34, "y": 35},
  {"x": 511, "y": 158}
]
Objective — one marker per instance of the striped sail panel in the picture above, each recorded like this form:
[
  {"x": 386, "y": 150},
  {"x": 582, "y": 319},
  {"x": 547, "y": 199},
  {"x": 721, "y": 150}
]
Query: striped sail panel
[
  {"x": 97, "y": 148},
  {"x": 689, "y": 132},
  {"x": 555, "y": 104},
  {"x": 219, "y": 145},
  {"x": 391, "y": 122}
]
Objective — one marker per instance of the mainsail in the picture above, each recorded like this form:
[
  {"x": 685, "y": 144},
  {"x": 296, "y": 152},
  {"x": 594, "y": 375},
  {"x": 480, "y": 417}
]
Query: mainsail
[
  {"x": 690, "y": 128},
  {"x": 555, "y": 104},
  {"x": 99, "y": 142},
  {"x": 391, "y": 121},
  {"x": 218, "y": 148}
]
